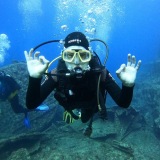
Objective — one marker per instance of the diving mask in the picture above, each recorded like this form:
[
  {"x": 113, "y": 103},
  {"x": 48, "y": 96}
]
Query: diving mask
[{"x": 69, "y": 55}]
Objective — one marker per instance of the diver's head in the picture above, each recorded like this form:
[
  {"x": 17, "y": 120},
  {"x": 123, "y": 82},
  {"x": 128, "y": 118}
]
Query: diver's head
[
  {"x": 76, "y": 39},
  {"x": 76, "y": 53}
]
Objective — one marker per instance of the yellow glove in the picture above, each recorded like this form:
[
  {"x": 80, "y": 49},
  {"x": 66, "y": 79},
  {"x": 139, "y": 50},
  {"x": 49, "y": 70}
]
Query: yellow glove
[{"x": 67, "y": 117}]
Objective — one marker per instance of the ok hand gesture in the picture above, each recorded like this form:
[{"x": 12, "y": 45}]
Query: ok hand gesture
[
  {"x": 36, "y": 64},
  {"x": 127, "y": 74}
]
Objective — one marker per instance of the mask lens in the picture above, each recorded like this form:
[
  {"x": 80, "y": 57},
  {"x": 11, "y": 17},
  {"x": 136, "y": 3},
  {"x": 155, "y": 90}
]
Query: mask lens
[
  {"x": 85, "y": 56},
  {"x": 68, "y": 56}
]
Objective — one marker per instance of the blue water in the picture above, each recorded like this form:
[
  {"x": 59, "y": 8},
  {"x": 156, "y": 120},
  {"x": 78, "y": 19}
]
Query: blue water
[{"x": 126, "y": 26}]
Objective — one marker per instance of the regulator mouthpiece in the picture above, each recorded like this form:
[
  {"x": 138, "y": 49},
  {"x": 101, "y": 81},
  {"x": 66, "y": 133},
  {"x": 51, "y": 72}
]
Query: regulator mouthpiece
[{"x": 78, "y": 72}]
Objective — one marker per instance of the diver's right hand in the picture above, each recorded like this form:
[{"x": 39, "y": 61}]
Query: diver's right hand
[{"x": 36, "y": 64}]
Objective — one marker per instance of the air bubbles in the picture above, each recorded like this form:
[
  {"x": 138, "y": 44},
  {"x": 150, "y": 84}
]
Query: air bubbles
[
  {"x": 90, "y": 31},
  {"x": 90, "y": 11},
  {"x": 3, "y": 36},
  {"x": 61, "y": 41},
  {"x": 64, "y": 27},
  {"x": 4, "y": 42},
  {"x": 31, "y": 12},
  {"x": 4, "y": 46}
]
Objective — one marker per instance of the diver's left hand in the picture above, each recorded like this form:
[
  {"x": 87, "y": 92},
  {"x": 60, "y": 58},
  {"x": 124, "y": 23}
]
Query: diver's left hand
[{"x": 127, "y": 74}]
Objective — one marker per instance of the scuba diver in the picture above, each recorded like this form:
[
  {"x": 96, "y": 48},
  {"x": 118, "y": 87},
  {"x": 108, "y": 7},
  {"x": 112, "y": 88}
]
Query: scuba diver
[
  {"x": 9, "y": 89},
  {"x": 80, "y": 82}
]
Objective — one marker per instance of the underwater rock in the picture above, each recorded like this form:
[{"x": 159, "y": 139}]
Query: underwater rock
[
  {"x": 20, "y": 154},
  {"x": 16, "y": 145},
  {"x": 123, "y": 147}
]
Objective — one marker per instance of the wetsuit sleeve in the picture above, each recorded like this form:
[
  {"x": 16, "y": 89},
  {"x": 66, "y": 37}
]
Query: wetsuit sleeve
[
  {"x": 37, "y": 93},
  {"x": 122, "y": 97}
]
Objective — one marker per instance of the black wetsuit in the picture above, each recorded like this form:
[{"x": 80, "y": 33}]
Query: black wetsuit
[
  {"x": 78, "y": 93},
  {"x": 9, "y": 91}
]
